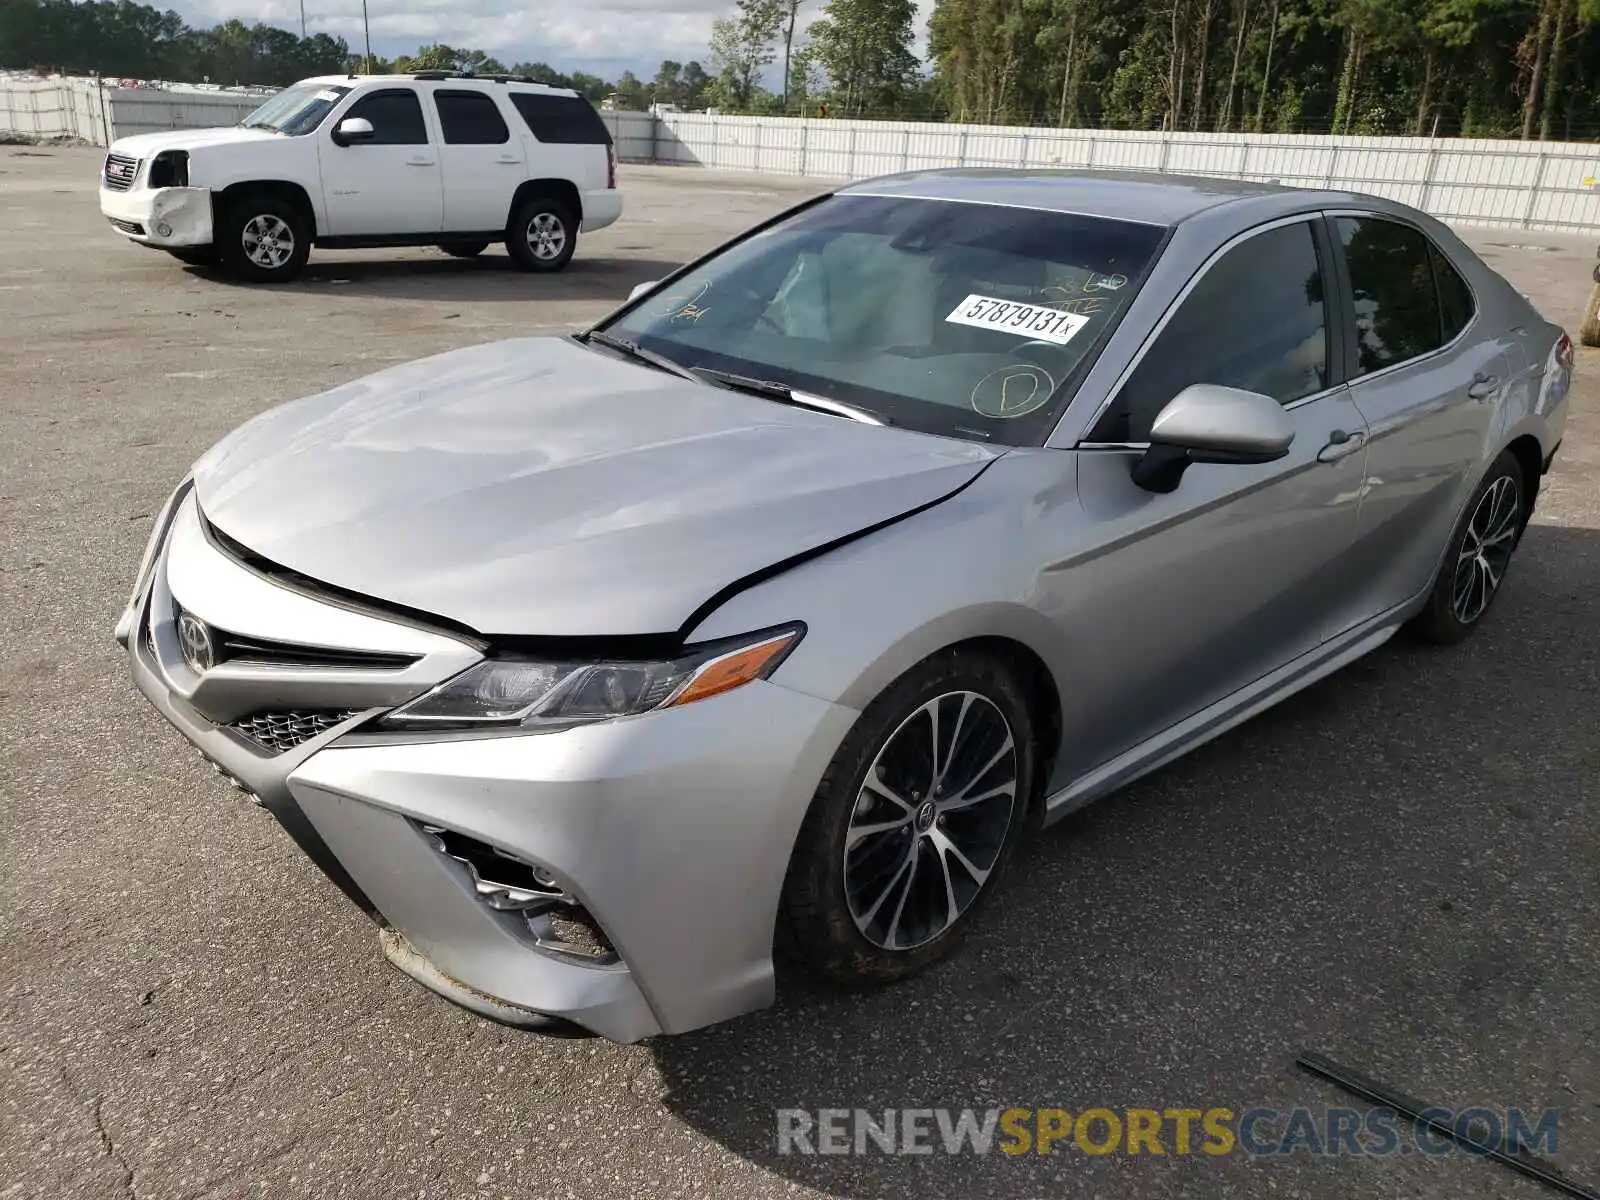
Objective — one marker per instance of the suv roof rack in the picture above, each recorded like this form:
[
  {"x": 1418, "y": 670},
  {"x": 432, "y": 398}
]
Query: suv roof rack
[{"x": 437, "y": 75}]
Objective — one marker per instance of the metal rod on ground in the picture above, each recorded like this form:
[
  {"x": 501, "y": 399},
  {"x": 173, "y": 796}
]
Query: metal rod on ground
[{"x": 1413, "y": 1110}]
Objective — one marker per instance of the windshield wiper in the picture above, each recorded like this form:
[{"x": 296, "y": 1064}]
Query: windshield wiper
[
  {"x": 785, "y": 394},
  {"x": 635, "y": 351}
]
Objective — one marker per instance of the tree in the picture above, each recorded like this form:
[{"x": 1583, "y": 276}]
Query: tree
[
  {"x": 631, "y": 93},
  {"x": 667, "y": 87},
  {"x": 741, "y": 46},
  {"x": 694, "y": 84},
  {"x": 865, "y": 47}
]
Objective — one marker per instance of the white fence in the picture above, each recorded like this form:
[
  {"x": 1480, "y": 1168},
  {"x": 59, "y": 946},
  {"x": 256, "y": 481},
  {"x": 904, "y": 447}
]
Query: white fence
[
  {"x": 86, "y": 110},
  {"x": 1527, "y": 185}
]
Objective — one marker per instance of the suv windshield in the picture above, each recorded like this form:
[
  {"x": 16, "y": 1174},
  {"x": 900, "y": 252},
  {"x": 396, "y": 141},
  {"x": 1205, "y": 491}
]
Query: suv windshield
[
  {"x": 296, "y": 110},
  {"x": 967, "y": 320}
]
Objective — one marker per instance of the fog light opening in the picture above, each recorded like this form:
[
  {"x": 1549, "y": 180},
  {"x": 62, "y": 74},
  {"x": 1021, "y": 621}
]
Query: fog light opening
[{"x": 501, "y": 881}]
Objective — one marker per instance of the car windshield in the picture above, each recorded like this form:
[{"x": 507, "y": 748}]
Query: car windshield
[
  {"x": 967, "y": 320},
  {"x": 296, "y": 110}
]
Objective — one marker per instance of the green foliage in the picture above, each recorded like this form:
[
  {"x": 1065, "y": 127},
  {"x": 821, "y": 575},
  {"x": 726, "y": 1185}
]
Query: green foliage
[
  {"x": 1346, "y": 66},
  {"x": 864, "y": 46}
]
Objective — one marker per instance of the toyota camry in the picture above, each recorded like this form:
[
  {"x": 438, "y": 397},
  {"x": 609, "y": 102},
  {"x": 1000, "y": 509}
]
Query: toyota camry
[{"x": 775, "y": 609}]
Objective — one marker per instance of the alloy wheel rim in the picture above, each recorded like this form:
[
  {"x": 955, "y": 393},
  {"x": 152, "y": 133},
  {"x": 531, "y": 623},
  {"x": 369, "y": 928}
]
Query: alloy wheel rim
[
  {"x": 1485, "y": 550},
  {"x": 268, "y": 241},
  {"x": 547, "y": 236},
  {"x": 930, "y": 820}
]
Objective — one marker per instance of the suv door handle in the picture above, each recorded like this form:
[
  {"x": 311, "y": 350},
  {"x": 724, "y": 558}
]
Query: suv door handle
[
  {"x": 1341, "y": 445},
  {"x": 419, "y": 160},
  {"x": 509, "y": 160},
  {"x": 1483, "y": 386}
]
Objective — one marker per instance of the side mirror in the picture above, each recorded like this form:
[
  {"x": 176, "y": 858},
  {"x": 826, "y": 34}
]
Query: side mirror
[
  {"x": 353, "y": 129},
  {"x": 1206, "y": 423},
  {"x": 640, "y": 289}
]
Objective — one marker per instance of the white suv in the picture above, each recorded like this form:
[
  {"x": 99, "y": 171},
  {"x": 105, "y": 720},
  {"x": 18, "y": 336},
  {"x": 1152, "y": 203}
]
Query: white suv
[{"x": 372, "y": 160}]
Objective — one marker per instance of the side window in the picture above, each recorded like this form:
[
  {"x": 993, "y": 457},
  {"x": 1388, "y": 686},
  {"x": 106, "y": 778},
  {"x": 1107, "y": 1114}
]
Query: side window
[
  {"x": 1397, "y": 307},
  {"x": 470, "y": 119},
  {"x": 561, "y": 119},
  {"x": 1456, "y": 305},
  {"x": 396, "y": 117},
  {"x": 1256, "y": 320}
]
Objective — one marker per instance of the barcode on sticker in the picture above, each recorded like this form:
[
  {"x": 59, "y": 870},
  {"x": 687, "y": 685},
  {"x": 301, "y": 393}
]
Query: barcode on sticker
[{"x": 1033, "y": 321}]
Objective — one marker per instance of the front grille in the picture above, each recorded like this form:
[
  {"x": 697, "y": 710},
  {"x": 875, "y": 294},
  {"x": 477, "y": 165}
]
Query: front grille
[
  {"x": 132, "y": 227},
  {"x": 279, "y": 732},
  {"x": 119, "y": 172},
  {"x": 233, "y": 648}
]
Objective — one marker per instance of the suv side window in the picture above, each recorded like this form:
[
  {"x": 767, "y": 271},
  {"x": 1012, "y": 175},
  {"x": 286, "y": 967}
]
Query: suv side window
[
  {"x": 470, "y": 119},
  {"x": 396, "y": 117},
  {"x": 561, "y": 119},
  {"x": 1256, "y": 320},
  {"x": 1398, "y": 312}
]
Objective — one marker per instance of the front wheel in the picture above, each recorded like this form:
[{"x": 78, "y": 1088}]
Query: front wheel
[
  {"x": 265, "y": 238},
  {"x": 542, "y": 235},
  {"x": 1479, "y": 553},
  {"x": 914, "y": 823}
]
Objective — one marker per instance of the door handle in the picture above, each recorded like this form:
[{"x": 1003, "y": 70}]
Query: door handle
[
  {"x": 1341, "y": 444},
  {"x": 509, "y": 161},
  {"x": 1484, "y": 386},
  {"x": 418, "y": 160}
]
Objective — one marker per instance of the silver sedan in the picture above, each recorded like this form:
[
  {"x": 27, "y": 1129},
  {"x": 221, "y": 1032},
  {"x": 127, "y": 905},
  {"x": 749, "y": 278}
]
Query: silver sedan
[{"x": 768, "y": 615}]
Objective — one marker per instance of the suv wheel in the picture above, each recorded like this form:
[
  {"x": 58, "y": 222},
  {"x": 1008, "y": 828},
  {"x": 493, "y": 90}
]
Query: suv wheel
[
  {"x": 264, "y": 238},
  {"x": 542, "y": 234}
]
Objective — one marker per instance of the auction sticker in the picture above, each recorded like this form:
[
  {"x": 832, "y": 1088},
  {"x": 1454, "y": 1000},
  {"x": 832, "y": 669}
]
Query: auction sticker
[{"x": 1032, "y": 321}]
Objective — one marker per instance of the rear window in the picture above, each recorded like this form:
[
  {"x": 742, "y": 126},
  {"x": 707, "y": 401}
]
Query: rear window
[{"x": 570, "y": 119}]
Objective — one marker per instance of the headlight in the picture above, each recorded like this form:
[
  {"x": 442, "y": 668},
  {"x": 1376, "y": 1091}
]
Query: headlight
[
  {"x": 507, "y": 693},
  {"x": 170, "y": 168}
]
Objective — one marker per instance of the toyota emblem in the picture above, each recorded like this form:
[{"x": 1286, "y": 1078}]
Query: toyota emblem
[{"x": 194, "y": 637}]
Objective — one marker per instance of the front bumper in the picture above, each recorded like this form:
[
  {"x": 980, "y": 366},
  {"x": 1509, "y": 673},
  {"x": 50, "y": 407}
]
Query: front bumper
[
  {"x": 672, "y": 830},
  {"x": 142, "y": 214}
]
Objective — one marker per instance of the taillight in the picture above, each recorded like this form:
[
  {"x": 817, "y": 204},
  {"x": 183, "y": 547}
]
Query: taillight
[
  {"x": 611, "y": 166},
  {"x": 1564, "y": 352}
]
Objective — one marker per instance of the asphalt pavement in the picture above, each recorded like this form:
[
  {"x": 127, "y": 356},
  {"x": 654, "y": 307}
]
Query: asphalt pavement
[{"x": 1396, "y": 868}]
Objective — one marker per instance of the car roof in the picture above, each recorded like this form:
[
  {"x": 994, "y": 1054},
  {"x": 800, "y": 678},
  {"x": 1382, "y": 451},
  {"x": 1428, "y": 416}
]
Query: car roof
[
  {"x": 1147, "y": 197},
  {"x": 452, "y": 80}
]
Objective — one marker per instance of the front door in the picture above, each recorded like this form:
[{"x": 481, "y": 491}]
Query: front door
[
  {"x": 389, "y": 184},
  {"x": 482, "y": 162},
  {"x": 1428, "y": 388},
  {"x": 1175, "y": 602}
]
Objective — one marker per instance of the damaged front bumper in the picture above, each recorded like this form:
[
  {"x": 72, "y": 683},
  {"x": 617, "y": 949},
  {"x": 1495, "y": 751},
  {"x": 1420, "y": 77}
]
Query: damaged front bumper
[{"x": 170, "y": 216}]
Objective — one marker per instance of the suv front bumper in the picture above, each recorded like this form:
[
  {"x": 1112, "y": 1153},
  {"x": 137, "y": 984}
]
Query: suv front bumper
[
  {"x": 173, "y": 216},
  {"x": 671, "y": 830}
]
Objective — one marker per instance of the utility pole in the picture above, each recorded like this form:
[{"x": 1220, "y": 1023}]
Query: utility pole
[
  {"x": 302, "y": 20},
  {"x": 367, "y": 31}
]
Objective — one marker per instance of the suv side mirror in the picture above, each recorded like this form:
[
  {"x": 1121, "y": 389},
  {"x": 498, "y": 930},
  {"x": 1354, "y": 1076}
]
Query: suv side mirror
[
  {"x": 353, "y": 129},
  {"x": 641, "y": 289},
  {"x": 1206, "y": 423}
]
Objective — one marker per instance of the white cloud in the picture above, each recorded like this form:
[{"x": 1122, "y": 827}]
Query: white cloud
[{"x": 568, "y": 35}]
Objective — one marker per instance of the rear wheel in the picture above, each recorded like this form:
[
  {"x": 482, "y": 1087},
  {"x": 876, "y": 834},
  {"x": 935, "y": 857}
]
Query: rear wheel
[
  {"x": 1479, "y": 554},
  {"x": 914, "y": 823},
  {"x": 264, "y": 238},
  {"x": 464, "y": 249},
  {"x": 542, "y": 234}
]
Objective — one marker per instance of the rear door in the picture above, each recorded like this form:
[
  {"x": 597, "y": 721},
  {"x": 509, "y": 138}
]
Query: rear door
[
  {"x": 1427, "y": 377},
  {"x": 483, "y": 164},
  {"x": 390, "y": 183},
  {"x": 1194, "y": 595}
]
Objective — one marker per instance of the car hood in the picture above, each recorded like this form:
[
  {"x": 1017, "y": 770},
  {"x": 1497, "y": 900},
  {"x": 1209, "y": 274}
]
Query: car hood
[
  {"x": 146, "y": 145},
  {"x": 535, "y": 487}
]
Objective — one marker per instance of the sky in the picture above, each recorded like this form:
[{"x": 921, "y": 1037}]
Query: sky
[{"x": 603, "y": 37}]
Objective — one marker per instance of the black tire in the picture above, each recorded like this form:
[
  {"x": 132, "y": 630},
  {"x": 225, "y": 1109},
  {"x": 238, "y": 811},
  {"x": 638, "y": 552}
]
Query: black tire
[
  {"x": 1479, "y": 554},
  {"x": 542, "y": 234},
  {"x": 263, "y": 237},
  {"x": 464, "y": 249},
  {"x": 833, "y": 922},
  {"x": 193, "y": 256}
]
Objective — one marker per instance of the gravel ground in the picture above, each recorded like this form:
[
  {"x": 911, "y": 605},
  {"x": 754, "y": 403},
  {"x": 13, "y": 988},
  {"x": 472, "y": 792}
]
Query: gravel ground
[{"x": 1396, "y": 867}]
